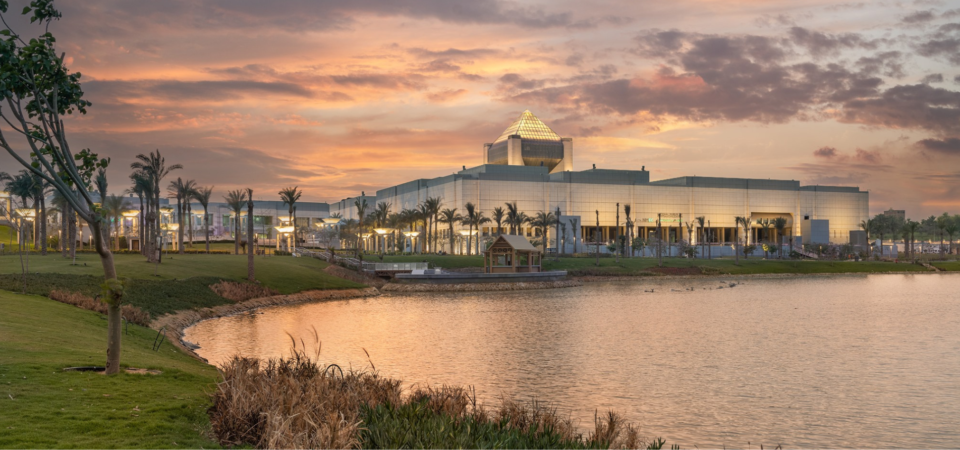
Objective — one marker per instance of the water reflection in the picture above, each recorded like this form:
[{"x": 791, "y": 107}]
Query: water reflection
[{"x": 840, "y": 361}]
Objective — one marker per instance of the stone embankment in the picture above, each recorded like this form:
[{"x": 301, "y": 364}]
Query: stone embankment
[
  {"x": 478, "y": 287},
  {"x": 174, "y": 324}
]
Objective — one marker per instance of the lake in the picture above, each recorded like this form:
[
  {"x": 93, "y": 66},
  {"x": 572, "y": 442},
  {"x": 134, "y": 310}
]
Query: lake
[{"x": 831, "y": 361}]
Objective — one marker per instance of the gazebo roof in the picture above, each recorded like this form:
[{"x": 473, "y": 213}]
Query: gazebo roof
[{"x": 517, "y": 242}]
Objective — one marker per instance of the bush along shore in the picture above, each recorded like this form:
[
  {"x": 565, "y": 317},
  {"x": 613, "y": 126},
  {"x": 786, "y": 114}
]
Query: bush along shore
[{"x": 295, "y": 402}]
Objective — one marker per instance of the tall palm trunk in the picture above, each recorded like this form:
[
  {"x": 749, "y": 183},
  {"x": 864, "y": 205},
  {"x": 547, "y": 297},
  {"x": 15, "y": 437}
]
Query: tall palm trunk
[
  {"x": 250, "y": 274},
  {"x": 42, "y": 218},
  {"x": 206, "y": 228},
  {"x": 73, "y": 233},
  {"x": 190, "y": 221},
  {"x": 64, "y": 228},
  {"x": 140, "y": 233}
]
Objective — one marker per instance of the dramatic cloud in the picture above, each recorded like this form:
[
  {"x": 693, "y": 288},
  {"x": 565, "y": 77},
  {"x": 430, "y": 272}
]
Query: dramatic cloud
[
  {"x": 346, "y": 96},
  {"x": 948, "y": 146}
]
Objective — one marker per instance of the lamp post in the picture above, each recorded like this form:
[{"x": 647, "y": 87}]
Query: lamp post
[
  {"x": 381, "y": 233},
  {"x": 464, "y": 235},
  {"x": 411, "y": 235}
]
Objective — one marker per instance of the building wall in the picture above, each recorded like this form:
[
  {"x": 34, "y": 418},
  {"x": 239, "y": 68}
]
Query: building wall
[{"x": 720, "y": 206}]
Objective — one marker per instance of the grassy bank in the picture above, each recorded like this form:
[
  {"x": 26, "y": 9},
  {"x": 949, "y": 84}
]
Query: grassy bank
[
  {"x": 648, "y": 266},
  {"x": 43, "y": 406},
  {"x": 181, "y": 281}
]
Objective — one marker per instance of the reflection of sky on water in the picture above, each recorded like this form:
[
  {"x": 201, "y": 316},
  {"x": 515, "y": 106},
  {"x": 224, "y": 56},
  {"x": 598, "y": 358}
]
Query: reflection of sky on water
[{"x": 816, "y": 361}]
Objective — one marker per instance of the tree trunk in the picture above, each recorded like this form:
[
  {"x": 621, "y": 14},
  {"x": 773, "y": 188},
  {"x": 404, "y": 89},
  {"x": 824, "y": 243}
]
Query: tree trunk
[
  {"x": 180, "y": 225},
  {"x": 250, "y": 276},
  {"x": 206, "y": 228},
  {"x": 64, "y": 228},
  {"x": 42, "y": 218},
  {"x": 236, "y": 233},
  {"x": 113, "y": 305},
  {"x": 189, "y": 222},
  {"x": 73, "y": 233}
]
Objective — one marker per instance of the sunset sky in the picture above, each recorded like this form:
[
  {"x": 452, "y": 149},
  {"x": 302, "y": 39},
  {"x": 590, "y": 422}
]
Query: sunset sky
[{"x": 343, "y": 96}]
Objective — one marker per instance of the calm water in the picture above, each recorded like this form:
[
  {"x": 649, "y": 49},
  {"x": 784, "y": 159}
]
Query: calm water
[{"x": 842, "y": 361}]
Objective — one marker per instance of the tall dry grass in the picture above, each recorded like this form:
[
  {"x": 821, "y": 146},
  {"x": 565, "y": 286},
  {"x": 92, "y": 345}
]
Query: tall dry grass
[
  {"x": 129, "y": 313},
  {"x": 295, "y": 402}
]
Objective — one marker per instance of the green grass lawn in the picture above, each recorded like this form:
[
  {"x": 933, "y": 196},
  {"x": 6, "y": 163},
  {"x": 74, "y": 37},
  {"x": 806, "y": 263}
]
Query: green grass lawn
[
  {"x": 633, "y": 266},
  {"x": 45, "y": 407},
  {"x": 283, "y": 273},
  {"x": 182, "y": 281}
]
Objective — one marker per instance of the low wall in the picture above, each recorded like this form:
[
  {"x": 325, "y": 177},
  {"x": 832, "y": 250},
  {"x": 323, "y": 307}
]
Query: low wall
[
  {"x": 479, "y": 287},
  {"x": 473, "y": 278}
]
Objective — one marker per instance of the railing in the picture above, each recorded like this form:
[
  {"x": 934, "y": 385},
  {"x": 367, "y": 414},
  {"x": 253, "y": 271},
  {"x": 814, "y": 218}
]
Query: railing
[{"x": 398, "y": 266}]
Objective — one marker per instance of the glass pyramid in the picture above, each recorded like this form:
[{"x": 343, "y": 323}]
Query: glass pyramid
[{"x": 529, "y": 127}]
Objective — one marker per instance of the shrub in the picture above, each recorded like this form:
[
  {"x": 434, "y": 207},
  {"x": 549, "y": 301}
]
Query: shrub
[
  {"x": 130, "y": 313},
  {"x": 297, "y": 403},
  {"x": 238, "y": 292}
]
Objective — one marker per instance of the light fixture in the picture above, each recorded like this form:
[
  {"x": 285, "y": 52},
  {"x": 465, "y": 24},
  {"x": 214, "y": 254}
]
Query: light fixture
[
  {"x": 467, "y": 232},
  {"x": 331, "y": 220},
  {"x": 285, "y": 229},
  {"x": 28, "y": 213},
  {"x": 130, "y": 213},
  {"x": 411, "y": 234},
  {"x": 382, "y": 231}
]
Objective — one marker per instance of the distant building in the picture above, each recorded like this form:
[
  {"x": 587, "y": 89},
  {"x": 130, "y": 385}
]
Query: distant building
[
  {"x": 899, "y": 213},
  {"x": 531, "y": 165}
]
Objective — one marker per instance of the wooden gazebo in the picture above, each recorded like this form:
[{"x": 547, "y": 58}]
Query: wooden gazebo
[{"x": 511, "y": 254}]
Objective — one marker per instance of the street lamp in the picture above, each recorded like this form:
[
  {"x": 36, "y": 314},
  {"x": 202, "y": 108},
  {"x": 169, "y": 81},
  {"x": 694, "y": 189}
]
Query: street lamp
[{"x": 411, "y": 235}]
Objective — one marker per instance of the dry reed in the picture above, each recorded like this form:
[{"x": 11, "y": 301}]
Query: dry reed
[
  {"x": 239, "y": 292},
  {"x": 129, "y": 313},
  {"x": 295, "y": 402}
]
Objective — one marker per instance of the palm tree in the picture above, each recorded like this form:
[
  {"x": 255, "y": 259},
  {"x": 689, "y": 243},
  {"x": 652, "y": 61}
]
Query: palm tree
[
  {"x": 21, "y": 185},
  {"x": 433, "y": 209},
  {"x": 154, "y": 165},
  {"x": 562, "y": 235},
  {"x": 522, "y": 219},
  {"x": 361, "y": 205},
  {"x": 289, "y": 196},
  {"x": 701, "y": 222},
  {"x": 189, "y": 192},
  {"x": 867, "y": 226},
  {"x": 176, "y": 189},
  {"x": 113, "y": 207},
  {"x": 40, "y": 210},
  {"x": 250, "y": 249},
  {"x": 423, "y": 210},
  {"x": 573, "y": 227},
  {"x": 942, "y": 223},
  {"x": 202, "y": 196},
  {"x": 690, "y": 226},
  {"x": 541, "y": 222},
  {"x": 951, "y": 230},
  {"x": 911, "y": 226},
  {"x": 380, "y": 215},
  {"x": 450, "y": 217},
  {"x": 765, "y": 224},
  {"x": 478, "y": 220},
  {"x": 498, "y": 215},
  {"x": 143, "y": 188},
  {"x": 627, "y": 209},
  {"x": 745, "y": 222},
  {"x": 779, "y": 224},
  {"x": 513, "y": 217},
  {"x": 235, "y": 200},
  {"x": 469, "y": 220}
]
